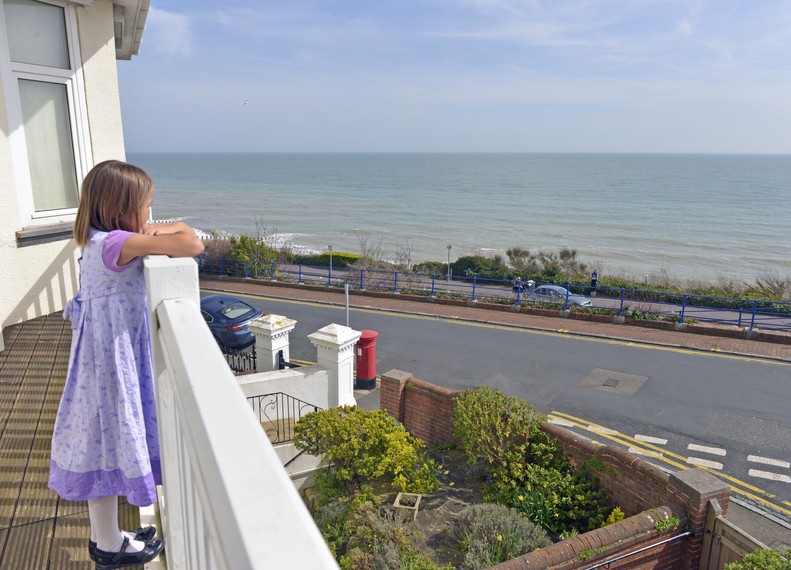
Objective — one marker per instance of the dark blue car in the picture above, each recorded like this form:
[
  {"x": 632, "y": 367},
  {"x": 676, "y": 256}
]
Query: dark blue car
[{"x": 228, "y": 318}]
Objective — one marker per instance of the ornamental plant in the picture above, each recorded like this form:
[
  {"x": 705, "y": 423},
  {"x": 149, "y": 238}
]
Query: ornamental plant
[
  {"x": 365, "y": 444},
  {"x": 765, "y": 559},
  {"x": 525, "y": 469},
  {"x": 493, "y": 430},
  {"x": 490, "y": 534}
]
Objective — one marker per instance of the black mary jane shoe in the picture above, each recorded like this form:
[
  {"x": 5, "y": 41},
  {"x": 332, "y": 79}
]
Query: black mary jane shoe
[
  {"x": 122, "y": 559},
  {"x": 142, "y": 534}
]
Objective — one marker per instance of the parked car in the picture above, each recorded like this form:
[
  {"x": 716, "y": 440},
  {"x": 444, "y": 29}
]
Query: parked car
[
  {"x": 556, "y": 294},
  {"x": 228, "y": 318}
]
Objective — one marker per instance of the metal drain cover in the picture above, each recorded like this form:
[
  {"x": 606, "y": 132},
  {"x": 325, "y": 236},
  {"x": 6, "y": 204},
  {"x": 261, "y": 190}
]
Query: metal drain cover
[{"x": 614, "y": 382}]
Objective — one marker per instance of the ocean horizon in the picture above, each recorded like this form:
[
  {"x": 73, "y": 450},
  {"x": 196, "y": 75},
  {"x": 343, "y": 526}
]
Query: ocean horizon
[{"x": 680, "y": 216}]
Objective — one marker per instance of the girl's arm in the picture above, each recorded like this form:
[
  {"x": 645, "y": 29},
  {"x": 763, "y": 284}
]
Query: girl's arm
[{"x": 175, "y": 239}]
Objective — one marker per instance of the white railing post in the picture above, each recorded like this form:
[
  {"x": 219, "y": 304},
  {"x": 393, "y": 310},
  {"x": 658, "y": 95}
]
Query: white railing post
[
  {"x": 335, "y": 352},
  {"x": 271, "y": 333},
  {"x": 167, "y": 278}
]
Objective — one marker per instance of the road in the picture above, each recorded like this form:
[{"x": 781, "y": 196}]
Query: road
[{"x": 679, "y": 408}]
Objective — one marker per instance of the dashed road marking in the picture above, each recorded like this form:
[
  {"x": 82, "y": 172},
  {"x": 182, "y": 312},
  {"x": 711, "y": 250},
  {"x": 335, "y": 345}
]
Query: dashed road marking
[
  {"x": 649, "y": 439},
  {"x": 703, "y": 449},
  {"x": 770, "y": 476},
  {"x": 704, "y": 463},
  {"x": 644, "y": 452},
  {"x": 600, "y": 429},
  {"x": 768, "y": 461},
  {"x": 558, "y": 422}
]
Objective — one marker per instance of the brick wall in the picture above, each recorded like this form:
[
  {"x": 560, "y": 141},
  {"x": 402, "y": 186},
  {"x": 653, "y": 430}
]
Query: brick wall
[{"x": 641, "y": 490}]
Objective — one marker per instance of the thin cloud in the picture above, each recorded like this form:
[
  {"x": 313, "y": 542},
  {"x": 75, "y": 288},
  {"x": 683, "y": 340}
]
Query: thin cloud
[{"x": 168, "y": 33}]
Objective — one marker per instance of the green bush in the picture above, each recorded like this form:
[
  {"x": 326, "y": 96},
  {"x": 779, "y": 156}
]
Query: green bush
[
  {"x": 765, "y": 559},
  {"x": 339, "y": 259},
  {"x": 556, "y": 497},
  {"x": 525, "y": 468},
  {"x": 364, "y": 444},
  {"x": 248, "y": 248},
  {"x": 480, "y": 266},
  {"x": 490, "y": 534},
  {"x": 493, "y": 429}
]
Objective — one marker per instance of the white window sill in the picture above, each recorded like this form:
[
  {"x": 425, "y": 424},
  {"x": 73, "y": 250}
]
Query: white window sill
[{"x": 33, "y": 235}]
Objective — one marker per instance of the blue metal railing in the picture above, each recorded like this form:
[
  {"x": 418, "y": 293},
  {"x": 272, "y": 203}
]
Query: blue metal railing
[{"x": 634, "y": 303}]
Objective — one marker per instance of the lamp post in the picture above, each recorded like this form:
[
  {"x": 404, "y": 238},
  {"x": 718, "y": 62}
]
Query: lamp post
[
  {"x": 329, "y": 275},
  {"x": 449, "y": 248}
]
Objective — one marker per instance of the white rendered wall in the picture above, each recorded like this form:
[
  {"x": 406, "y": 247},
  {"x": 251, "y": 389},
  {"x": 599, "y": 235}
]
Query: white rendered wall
[{"x": 39, "y": 279}]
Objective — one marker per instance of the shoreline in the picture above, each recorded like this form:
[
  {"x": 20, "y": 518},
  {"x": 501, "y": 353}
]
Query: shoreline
[{"x": 658, "y": 278}]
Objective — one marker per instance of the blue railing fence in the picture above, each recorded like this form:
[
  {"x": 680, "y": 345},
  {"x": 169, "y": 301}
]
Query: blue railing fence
[{"x": 636, "y": 303}]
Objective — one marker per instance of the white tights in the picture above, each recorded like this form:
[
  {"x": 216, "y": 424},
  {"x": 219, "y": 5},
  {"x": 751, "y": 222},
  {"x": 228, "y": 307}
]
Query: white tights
[{"x": 104, "y": 526}]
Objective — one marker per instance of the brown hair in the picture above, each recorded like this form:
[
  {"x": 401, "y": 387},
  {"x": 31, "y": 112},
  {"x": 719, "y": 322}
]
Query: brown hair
[{"x": 112, "y": 198}]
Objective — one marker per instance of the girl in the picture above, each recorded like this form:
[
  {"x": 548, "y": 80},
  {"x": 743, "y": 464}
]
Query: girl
[{"x": 105, "y": 443}]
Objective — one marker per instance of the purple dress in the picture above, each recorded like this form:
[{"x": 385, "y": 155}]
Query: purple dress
[{"x": 105, "y": 441}]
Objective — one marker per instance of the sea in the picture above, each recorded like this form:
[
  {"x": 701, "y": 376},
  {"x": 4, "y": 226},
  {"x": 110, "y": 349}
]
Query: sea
[{"x": 666, "y": 216}]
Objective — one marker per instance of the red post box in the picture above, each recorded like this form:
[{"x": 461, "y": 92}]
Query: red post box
[{"x": 366, "y": 361}]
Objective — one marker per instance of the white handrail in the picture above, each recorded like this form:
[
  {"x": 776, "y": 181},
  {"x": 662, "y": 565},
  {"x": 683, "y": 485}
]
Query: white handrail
[{"x": 229, "y": 503}]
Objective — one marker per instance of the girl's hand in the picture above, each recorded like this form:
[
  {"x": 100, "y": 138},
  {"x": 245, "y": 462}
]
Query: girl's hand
[{"x": 175, "y": 239}]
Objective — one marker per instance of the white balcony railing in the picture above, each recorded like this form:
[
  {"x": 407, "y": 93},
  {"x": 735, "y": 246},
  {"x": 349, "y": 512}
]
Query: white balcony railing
[{"x": 228, "y": 502}]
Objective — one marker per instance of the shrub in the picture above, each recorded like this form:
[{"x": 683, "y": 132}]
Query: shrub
[
  {"x": 526, "y": 468},
  {"x": 365, "y": 444},
  {"x": 493, "y": 429},
  {"x": 491, "y": 534},
  {"x": 557, "y": 497},
  {"x": 248, "y": 248},
  {"x": 765, "y": 559}
]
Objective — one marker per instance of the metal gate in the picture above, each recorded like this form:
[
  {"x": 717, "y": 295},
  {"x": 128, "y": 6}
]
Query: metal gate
[{"x": 724, "y": 542}]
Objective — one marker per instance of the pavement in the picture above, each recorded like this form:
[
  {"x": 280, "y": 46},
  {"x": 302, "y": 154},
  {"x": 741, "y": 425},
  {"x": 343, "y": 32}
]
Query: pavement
[{"x": 775, "y": 533}]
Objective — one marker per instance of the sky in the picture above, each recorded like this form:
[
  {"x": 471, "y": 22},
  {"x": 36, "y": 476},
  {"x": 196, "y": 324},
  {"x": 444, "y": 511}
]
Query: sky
[{"x": 643, "y": 76}]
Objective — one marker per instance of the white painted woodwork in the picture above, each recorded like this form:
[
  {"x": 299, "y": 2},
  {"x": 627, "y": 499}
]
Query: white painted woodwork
[{"x": 228, "y": 502}]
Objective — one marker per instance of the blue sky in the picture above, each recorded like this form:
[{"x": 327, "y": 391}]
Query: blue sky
[{"x": 461, "y": 76}]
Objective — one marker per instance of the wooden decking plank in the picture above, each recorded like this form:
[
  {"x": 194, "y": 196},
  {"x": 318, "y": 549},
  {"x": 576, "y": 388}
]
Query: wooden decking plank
[
  {"x": 36, "y": 502},
  {"x": 70, "y": 543},
  {"x": 28, "y": 547}
]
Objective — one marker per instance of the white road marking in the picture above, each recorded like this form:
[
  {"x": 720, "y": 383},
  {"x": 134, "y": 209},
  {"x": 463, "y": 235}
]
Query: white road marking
[
  {"x": 637, "y": 451},
  {"x": 560, "y": 422},
  {"x": 603, "y": 430},
  {"x": 649, "y": 439},
  {"x": 768, "y": 461},
  {"x": 768, "y": 475},
  {"x": 704, "y": 449},
  {"x": 704, "y": 463}
]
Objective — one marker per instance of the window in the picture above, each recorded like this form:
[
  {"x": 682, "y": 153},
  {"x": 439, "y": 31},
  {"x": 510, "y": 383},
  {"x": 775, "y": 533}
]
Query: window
[{"x": 40, "y": 71}]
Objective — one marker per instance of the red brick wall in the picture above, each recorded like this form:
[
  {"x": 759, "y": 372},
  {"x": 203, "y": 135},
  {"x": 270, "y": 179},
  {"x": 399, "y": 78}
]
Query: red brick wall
[
  {"x": 631, "y": 483},
  {"x": 609, "y": 542},
  {"x": 639, "y": 489}
]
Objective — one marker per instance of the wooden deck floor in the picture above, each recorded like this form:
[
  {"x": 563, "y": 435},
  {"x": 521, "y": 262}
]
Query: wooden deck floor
[{"x": 38, "y": 529}]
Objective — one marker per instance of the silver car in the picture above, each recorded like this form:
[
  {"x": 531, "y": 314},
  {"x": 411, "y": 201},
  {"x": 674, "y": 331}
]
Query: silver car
[{"x": 556, "y": 294}]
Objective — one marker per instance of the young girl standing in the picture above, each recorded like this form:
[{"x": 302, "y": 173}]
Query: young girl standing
[{"x": 105, "y": 443}]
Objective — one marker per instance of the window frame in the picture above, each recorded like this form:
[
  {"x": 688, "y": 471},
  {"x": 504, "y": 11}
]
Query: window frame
[{"x": 72, "y": 78}]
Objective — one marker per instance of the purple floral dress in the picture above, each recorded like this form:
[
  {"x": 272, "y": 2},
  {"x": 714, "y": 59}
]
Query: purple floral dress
[{"x": 105, "y": 441}]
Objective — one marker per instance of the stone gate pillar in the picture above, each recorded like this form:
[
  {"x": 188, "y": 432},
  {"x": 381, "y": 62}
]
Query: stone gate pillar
[
  {"x": 335, "y": 352},
  {"x": 271, "y": 333}
]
